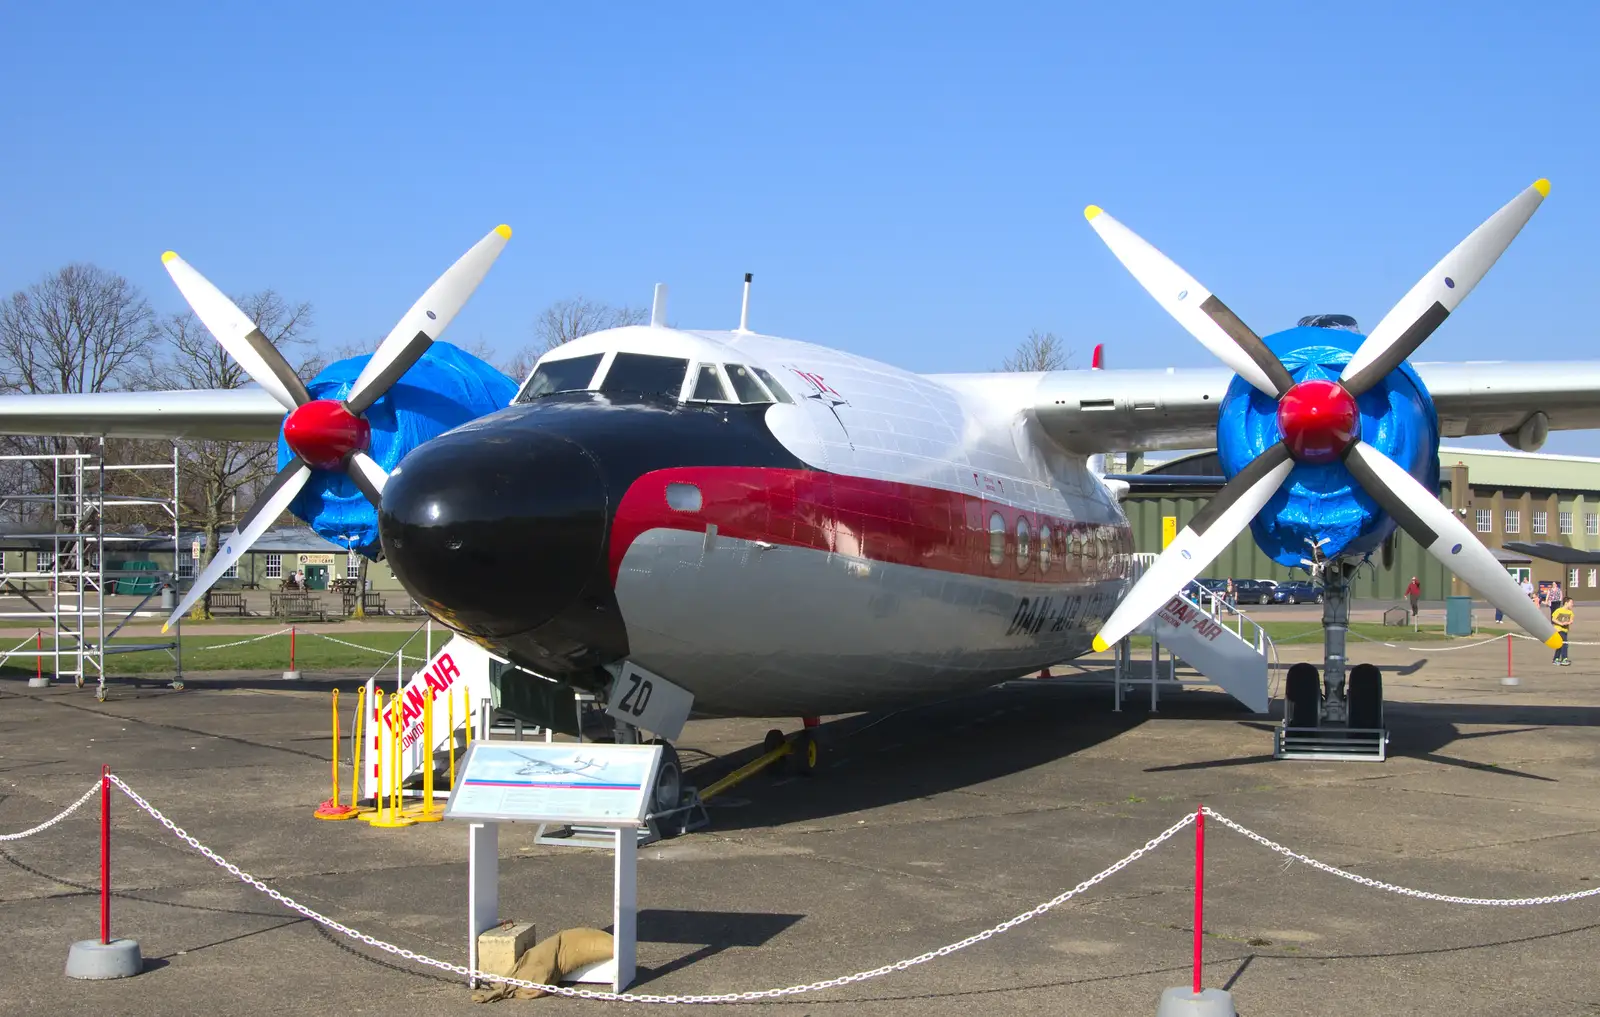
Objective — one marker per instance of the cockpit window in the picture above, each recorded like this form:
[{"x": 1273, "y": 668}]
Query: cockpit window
[
  {"x": 772, "y": 384},
  {"x": 745, "y": 384},
  {"x": 570, "y": 375},
  {"x": 708, "y": 385},
  {"x": 643, "y": 374}
]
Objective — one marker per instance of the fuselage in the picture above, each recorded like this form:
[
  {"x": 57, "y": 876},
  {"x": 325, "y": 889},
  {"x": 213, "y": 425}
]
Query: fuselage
[{"x": 778, "y": 527}]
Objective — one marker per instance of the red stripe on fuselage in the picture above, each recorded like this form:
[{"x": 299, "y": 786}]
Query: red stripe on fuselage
[{"x": 878, "y": 520}]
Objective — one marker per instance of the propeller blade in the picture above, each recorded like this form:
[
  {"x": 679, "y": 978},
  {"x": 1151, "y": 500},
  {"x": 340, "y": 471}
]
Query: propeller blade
[
  {"x": 427, "y": 319},
  {"x": 1196, "y": 545},
  {"x": 274, "y": 502},
  {"x": 1447, "y": 538},
  {"x": 1438, "y": 293},
  {"x": 237, "y": 334},
  {"x": 368, "y": 475},
  {"x": 1196, "y": 309}
]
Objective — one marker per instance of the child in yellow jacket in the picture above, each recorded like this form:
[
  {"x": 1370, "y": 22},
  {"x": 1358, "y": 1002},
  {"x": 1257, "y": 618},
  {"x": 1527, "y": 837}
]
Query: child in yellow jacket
[{"x": 1562, "y": 616}]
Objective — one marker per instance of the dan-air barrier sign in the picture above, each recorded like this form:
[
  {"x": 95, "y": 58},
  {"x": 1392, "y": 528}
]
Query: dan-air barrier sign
[{"x": 543, "y": 782}]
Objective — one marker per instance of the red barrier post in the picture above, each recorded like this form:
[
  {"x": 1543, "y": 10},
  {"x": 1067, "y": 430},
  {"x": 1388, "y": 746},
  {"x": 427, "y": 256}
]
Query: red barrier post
[
  {"x": 291, "y": 647},
  {"x": 1199, "y": 889},
  {"x": 38, "y": 655},
  {"x": 1508, "y": 655},
  {"x": 105, "y": 854}
]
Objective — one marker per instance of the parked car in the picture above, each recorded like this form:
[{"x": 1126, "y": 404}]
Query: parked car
[
  {"x": 1297, "y": 593},
  {"x": 1251, "y": 591}
]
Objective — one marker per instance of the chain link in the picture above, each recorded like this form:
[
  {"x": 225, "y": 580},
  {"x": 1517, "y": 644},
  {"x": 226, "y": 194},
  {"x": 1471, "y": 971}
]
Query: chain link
[
  {"x": 353, "y": 646},
  {"x": 1378, "y": 884},
  {"x": 253, "y": 639},
  {"x": 622, "y": 997},
  {"x": 63, "y": 814}
]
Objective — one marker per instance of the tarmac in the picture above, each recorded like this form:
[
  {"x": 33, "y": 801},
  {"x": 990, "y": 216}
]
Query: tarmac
[{"x": 920, "y": 828}]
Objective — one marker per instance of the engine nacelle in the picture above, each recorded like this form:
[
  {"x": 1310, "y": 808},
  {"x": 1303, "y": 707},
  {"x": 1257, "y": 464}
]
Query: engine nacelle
[
  {"x": 444, "y": 389},
  {"x": 1530, "y": 436}
]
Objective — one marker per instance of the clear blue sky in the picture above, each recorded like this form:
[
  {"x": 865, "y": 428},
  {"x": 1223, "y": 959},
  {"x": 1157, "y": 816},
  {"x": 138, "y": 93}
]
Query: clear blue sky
[{"x": 906, "y": 180}]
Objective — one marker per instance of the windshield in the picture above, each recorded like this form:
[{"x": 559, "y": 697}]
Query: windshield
[
  {"x": 745, "y": 384},
  {"x": 772, "y": 383},
  {"x": 643, "y": 374},
  {"x": 570, "y": 375}
]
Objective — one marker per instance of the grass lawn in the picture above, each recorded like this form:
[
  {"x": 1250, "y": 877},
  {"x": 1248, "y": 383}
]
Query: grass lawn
[
  {"x": 1293, "y": 633},
  {"x": 313, "y": 652}
]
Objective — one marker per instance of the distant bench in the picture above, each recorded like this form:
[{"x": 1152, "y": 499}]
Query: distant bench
[
  {"x": 371, "y": 603},
  {"x": 297, "y": 607},
  {"x": 227, "y": 603}
]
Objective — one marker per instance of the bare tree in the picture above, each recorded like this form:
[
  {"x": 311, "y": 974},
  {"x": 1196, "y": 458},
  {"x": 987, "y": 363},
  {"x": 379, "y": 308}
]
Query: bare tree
[
  {"x": 1041, "y": 351},
  {"x": 566, "y": 320},
  {"x": 219, "y": 475},
  {"x": 79, "y": 329}
]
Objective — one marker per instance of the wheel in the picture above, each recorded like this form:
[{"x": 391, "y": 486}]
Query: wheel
[
  {"x": 805, "y": 753},
  {"x": 1265, "y": 599},
  {"x": 1293, "y": 599},
  {"x": 1364, "y": 695},
  {"x": 770, "y": 744},
  {"x": 1302, "y": 696},
  {"x": 1319, "y": 598},
  {"x": 668, "y": 791}
]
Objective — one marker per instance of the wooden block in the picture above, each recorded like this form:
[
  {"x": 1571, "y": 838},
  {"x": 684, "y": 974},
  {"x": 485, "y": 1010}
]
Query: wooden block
[{"x": 499, "y": 947}]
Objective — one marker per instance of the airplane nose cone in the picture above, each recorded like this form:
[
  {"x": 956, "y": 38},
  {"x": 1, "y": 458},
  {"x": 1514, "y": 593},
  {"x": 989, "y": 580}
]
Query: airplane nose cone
[{"x": 496, "y": 534}]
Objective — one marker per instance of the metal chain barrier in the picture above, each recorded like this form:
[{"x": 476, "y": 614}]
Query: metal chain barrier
[
  {"x": 624, "y": 997},
  {"x": 63, "y": 814},
  {"x": 353, "y": 646},
  {"x": 1378, "y": 884},
  {"x": 253, "y": 639}
]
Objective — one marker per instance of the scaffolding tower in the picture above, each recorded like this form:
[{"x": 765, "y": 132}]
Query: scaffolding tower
[{"x": 68, "y": 603}]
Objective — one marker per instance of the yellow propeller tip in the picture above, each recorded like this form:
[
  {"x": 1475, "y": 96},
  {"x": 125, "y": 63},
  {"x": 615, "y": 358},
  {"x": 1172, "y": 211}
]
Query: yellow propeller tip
[
  {"x": 1090, "y": 212},
  {"x": 1542, "y": 186},
  {"x": 165, "y": 627},
  {"x": 1554, "y": 642},
  {"x": 1100, "y": 645},
  {"x": 504, "y": 231},
  {"x": 168, "y": 256}
]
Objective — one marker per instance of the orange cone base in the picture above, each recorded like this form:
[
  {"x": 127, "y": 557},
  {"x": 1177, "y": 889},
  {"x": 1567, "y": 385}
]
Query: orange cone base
[{"x": 331, "y": 809}]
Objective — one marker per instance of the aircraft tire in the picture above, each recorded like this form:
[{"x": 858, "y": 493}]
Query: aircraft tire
[
  {"x": 771, "y": 743},
  {"x": 668, "y": 790},
  {"x": 1302, "y": 694},
  {"x": 1364, "y": 693}
]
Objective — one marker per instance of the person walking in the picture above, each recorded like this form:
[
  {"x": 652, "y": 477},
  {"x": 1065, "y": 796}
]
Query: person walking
[
  {"x": 1563, "y": 619},
  {"x": 1413, "y": 595}
]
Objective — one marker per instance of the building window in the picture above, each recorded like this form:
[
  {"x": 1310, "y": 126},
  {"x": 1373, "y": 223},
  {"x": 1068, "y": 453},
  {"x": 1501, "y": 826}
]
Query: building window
[
  {"x": 1594, "y": 574},
  {"x": 352, "y": 566},
  {"x": 1485, "y": 520},
  {"x": 1513, "y": 521},
  {"x": 997, "y": 539},
  {"x": 274, "y": 566},
  {"x": 1591, "y": 523},
  {"x": 185, "y": 567},
  {"x": 1564, "y": 522},
  {"x": 231, "y": 572},
  {"x": 1541, "y": 522},
  {"x": 1572, "y": 578},
  {"x": 47, "y": 561}
]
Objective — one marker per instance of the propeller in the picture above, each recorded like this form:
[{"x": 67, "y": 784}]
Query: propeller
[
  {"x": 1320, "y": 421},
  {"x": 324, "y": 434}
]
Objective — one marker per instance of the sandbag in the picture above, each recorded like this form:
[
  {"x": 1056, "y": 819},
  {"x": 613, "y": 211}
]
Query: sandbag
[{"x": 549, "y": 961}]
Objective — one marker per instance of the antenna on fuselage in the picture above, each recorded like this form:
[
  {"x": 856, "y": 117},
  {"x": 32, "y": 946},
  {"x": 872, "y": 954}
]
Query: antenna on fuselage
[
  {"x": 744, "y": 308},
  {"x": 658, "y": 307}
]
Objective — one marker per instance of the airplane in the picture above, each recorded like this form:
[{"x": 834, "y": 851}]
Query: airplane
[
  {"x": 779, "y": 528},
  {"x": 586, "y": 768}
]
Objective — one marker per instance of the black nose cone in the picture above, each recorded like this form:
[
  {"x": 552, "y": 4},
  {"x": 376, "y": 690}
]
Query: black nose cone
[{"x": 500, "y": 533}]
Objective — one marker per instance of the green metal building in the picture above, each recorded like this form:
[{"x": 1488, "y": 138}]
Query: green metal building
[{"x": 1539, "y": 513}]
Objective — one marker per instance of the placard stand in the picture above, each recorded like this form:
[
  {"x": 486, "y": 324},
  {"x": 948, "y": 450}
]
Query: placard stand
[
  {"x": 604, "y": 786},
  {"x": 483, "y": 902}
]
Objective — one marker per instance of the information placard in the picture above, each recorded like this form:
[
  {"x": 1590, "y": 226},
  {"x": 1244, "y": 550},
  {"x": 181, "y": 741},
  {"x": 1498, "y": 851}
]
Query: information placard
[{"x": 555, "y": 782}]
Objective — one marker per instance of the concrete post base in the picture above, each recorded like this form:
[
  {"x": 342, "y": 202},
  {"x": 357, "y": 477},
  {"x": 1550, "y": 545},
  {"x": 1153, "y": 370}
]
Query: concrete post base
[
  {"x": 38, "y": 682},
  {"x": 90, "y": 958},
  {"x": 291, "y": 676},
  {"x": 1183, "y": 1002}
]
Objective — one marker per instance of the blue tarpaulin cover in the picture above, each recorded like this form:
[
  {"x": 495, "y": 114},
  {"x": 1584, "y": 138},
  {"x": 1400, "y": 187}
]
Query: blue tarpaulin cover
[
  {"x": 445, "y": 388},
  {"x": 1322, "y": 500}
]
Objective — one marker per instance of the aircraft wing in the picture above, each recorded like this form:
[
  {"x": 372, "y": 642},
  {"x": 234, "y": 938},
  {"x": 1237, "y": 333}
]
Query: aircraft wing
[
  {"x": 242, "y": 414},
  {"x": 1090, "y": 412}
]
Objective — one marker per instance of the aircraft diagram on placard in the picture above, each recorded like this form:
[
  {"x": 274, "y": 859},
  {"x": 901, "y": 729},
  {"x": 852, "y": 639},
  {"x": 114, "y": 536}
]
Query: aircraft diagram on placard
[
  {"x": 785, "y": 529},
  {"x": 586, "y": 769}
]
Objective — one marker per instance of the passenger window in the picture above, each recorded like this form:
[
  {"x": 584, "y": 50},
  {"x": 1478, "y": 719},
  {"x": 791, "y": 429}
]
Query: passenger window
[
  {"x": 748, "y": 389},
  {"x": 708, "y": 385},
  {"x": 1024, "y": 545},
  {"x": 772, "y": 385},
  {"x": 1044, "y": 549},
  {"x": 997, "y": 539},
  {"x": 643, "y": 374},
  {"x": 570, "y": 375}
]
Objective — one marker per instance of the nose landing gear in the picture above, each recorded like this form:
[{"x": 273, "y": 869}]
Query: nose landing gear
[{"x": 1341, "y": 716}]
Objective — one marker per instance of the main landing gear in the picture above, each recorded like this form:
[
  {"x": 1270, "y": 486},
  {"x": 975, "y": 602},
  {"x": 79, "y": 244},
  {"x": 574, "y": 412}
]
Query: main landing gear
[{"x": 1340, "y": 716}]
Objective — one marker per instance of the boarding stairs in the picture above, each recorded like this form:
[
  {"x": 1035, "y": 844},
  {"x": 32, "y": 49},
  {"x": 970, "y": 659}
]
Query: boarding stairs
[{"x": 1224, "y": 644}]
